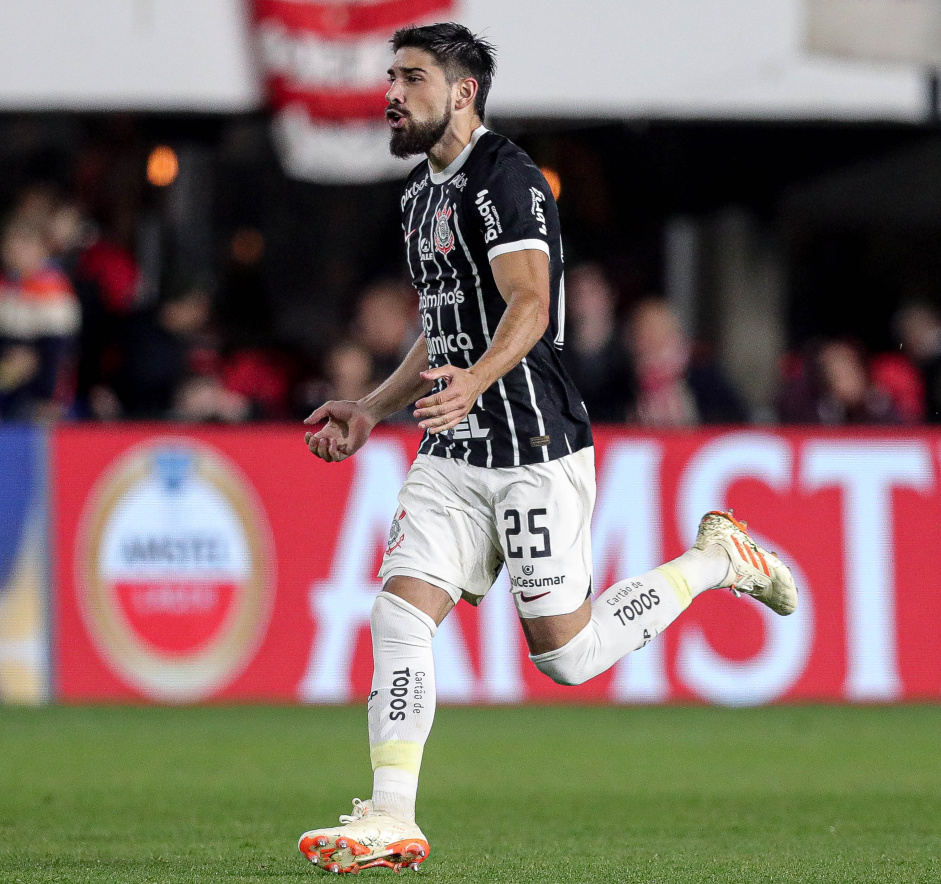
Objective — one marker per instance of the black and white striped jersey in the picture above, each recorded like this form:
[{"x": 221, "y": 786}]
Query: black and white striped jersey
[{"x": 491, "y": 200}]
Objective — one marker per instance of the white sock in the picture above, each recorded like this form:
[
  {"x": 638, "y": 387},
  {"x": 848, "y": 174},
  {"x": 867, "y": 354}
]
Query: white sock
[
  {"x": 627, "y": 616},
  {"x": 401, "y": 703},
  {"x": 702, "y": 569},
  {"x": 623, "y": 618}
]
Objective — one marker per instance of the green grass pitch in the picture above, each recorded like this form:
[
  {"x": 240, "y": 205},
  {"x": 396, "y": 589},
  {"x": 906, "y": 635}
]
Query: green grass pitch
[{"x": 220, "y": 794}]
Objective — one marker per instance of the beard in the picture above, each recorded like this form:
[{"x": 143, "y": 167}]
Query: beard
[{"x": 415, "y": 138}]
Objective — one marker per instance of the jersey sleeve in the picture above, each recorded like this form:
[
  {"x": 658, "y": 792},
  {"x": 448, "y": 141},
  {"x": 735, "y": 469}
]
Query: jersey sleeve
[{"x": 509, "y": 207}]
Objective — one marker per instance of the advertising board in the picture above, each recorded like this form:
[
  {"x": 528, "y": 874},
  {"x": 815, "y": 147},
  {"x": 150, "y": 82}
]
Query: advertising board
[
  {"x": 221, "y": 564},
  {"x": 24, "y": 658}
]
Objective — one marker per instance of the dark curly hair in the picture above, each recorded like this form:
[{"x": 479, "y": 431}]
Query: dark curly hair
[{"x": 458, "y": 51}]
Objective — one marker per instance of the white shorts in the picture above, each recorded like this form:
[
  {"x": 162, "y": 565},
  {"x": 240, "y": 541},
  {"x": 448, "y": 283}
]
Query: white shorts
[{"x": 456, "y": 525}]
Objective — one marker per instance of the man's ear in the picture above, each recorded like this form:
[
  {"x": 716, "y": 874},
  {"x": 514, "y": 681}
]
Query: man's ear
[{"x": 465, "y": 93}]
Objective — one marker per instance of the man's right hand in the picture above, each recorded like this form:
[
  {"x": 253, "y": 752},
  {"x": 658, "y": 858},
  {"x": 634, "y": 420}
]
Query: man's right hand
[{"x": 348, "y": 427}]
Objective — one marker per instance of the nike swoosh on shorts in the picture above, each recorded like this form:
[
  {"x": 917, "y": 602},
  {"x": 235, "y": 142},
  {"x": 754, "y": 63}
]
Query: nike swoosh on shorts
[{"x": 532, "y": 598}]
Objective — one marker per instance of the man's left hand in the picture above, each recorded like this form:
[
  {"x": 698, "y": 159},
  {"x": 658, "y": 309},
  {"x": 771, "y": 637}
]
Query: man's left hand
[{"x": 445, "y": 409}]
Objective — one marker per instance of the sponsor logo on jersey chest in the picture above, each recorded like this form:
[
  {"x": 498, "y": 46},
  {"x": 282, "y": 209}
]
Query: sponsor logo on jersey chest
[
  {"x": 441, "y": 345},
  {"x": 470, "y": 428},
  {"x": 413, "y": 191},
  {"x": 430, "y": 300}
]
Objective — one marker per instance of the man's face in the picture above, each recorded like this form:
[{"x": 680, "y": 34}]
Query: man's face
[
  {"x": 419, "y": 97},
  {"x": 23, "y": 251}
]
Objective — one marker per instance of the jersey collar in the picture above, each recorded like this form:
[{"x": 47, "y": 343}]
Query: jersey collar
[{"x": 455, "y": 165}]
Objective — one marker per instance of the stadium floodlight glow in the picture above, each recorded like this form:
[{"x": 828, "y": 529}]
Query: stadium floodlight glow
[
  {"x": 553, "y": 180},
  {"x": 162, "y": 166}
]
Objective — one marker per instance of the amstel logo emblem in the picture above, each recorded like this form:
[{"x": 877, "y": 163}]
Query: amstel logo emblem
[{"x": 174, "y": 566}]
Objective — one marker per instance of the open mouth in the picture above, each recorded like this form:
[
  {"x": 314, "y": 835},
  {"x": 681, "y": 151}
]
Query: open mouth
[{"x": 395, "y": 117}]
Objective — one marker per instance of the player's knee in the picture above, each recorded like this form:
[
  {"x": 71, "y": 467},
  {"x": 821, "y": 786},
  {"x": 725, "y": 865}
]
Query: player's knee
[
  {"x": 572, "y": 664},
  {"x": 380, "y": 609},
  {"x": 391, "y": 615},
  {"x": 388, "y": 612},
  {"x": 561, "y": 672}
]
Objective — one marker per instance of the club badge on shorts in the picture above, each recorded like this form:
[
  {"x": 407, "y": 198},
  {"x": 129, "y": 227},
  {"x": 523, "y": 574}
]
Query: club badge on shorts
[{"x": 396, "y": 533}]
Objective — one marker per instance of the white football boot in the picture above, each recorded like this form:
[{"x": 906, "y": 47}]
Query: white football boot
[
  {"x": 754, "y": 571},
  {"x": 366, "y": 839}
]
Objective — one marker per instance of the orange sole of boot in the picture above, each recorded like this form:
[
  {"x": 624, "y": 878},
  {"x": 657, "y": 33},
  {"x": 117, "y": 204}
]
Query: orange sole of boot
[{"x": 398, "y": 856}]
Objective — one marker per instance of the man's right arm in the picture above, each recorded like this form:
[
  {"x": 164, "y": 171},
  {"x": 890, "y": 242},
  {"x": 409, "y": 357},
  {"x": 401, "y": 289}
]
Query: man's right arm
[{"x": 350, "y": 423}]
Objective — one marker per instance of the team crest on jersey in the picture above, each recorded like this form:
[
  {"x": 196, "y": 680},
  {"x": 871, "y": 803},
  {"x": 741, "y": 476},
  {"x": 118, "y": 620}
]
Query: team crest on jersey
[
  {"x": 444, "y": 236},
  {"x": 396, "y": 533}
]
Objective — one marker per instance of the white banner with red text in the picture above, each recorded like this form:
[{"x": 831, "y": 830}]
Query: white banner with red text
[
  {"x": 325, "y": 66},
  {"x": 565, "y": 60}
]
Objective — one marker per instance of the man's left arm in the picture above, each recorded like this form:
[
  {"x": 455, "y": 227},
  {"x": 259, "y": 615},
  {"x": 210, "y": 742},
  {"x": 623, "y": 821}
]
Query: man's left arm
[{"x": 522, "y": 278}]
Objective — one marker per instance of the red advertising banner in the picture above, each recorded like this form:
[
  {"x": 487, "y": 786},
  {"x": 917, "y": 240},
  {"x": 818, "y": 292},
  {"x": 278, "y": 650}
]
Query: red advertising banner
[{"x": 226, "y": 564}]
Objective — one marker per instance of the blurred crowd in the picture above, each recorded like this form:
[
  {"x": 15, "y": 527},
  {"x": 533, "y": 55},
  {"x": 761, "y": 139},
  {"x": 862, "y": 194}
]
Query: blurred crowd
[
  {"x": 84, "y": 336},
  {"x": 640, "y": 366}
]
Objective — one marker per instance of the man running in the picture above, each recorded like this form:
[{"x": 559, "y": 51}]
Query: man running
[{"x": 505, "y": 472}]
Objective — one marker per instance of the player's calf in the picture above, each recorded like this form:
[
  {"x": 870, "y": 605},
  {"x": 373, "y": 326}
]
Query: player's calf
[
  {"x": 628, "y": 615},
  {"x": 625, "y": 617}
]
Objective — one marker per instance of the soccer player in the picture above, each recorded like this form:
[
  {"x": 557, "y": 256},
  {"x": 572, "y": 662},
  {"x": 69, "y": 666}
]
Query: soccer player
[{"x": 505, "y": 471}]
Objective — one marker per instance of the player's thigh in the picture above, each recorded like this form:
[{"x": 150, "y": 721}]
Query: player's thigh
[
  {"x": 544, "y": 524},
  {"x": 440, "y": 535}
]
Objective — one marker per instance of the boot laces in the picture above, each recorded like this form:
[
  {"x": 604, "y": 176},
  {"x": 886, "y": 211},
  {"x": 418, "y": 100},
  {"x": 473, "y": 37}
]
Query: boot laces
[{"x": 360, "y": 809}]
